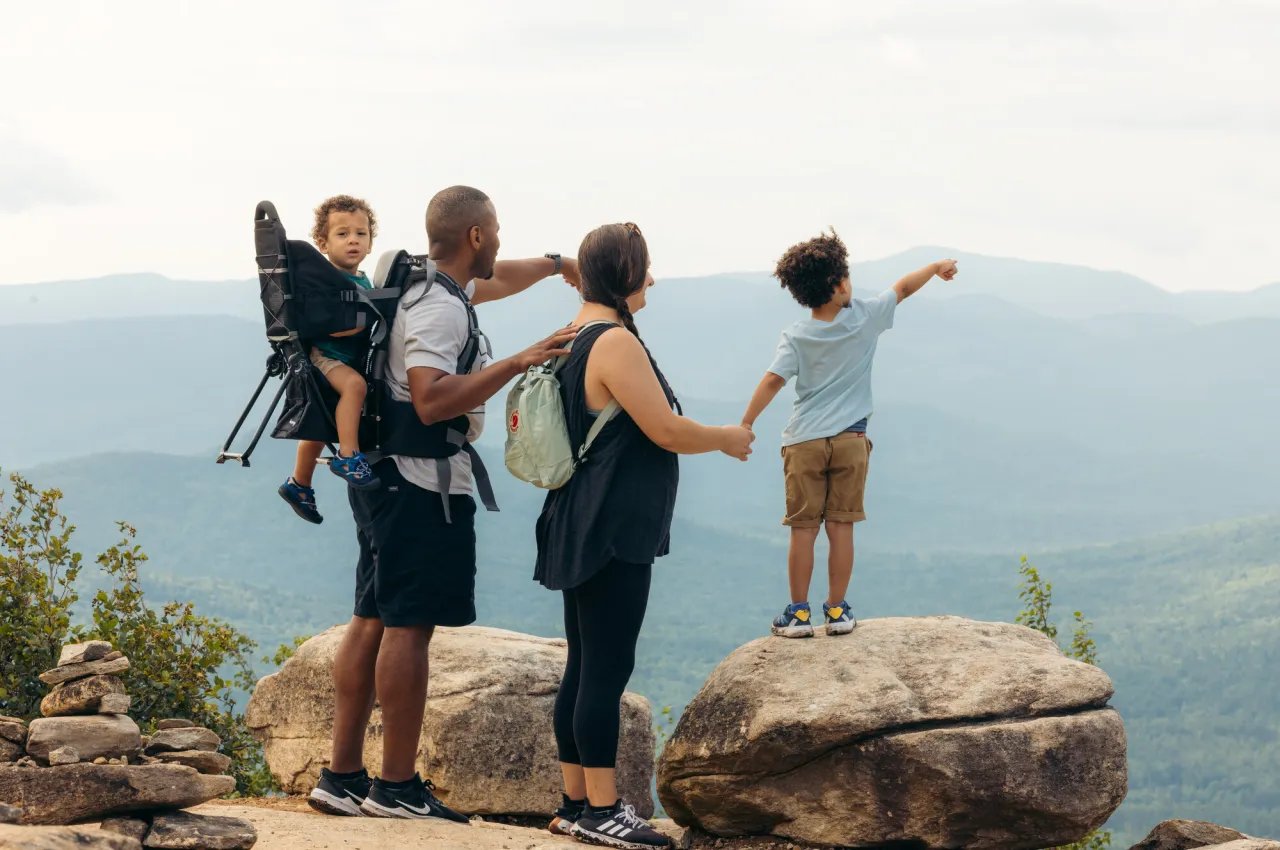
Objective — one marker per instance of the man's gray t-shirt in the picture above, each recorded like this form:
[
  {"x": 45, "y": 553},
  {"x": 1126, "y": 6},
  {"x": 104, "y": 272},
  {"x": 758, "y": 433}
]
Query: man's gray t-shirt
[
  {"x": 432, "y": 331},
  {"x": 831, "y": 362}
]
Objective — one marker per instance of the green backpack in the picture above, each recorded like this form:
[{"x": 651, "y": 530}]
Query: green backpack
[{"x": 538, "y": 448}]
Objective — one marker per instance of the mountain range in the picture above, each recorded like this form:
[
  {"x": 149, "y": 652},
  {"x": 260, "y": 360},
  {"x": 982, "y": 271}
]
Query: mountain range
[{"x": 1120, "y": 434}]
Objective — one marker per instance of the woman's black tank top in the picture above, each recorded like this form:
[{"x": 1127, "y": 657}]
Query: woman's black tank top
[{"x": 619, "y": 502}]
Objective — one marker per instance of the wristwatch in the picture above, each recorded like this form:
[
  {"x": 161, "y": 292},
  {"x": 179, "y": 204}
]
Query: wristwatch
[{"x": 555, "y": 257}]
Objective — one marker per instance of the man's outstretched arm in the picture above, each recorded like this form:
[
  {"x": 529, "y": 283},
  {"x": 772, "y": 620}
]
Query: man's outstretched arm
[
  {"x": 514, "y": 276},
  {"x": 770, "y": 385},
  {"x": 912, "y": 283}
]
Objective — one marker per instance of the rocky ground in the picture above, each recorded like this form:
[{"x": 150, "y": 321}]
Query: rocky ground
[{"x": 287, "y": 823}]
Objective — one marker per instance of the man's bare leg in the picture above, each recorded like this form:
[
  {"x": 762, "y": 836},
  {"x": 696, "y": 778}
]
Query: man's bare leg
[
  {"x": 353, "y": 680},
  {"x": 402, "y": 690}
]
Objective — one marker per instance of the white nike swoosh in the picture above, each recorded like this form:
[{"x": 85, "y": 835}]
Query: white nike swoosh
[{"x": 425, "y": 811}]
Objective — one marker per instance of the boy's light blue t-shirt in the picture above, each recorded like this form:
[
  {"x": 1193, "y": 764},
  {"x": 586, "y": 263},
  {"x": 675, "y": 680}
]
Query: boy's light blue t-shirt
[
  {"x": 346, "y": 349},
  {"x": 831, "y": 362}
]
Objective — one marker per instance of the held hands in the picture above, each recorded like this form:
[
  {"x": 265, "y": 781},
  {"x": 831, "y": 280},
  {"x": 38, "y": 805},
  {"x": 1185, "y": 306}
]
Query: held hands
[
  {"x": 945, "y": 269},
  {"x": 541, "y": 352},
  {"x": 736, "y": 441}
]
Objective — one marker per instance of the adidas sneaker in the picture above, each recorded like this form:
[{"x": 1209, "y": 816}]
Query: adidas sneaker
[{"x": 617, "y": 826}]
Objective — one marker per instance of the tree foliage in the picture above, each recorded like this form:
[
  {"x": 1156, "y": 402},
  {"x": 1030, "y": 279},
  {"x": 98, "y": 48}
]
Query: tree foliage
[
  {"x": 181, "y": 663},
  {"x": 1036, "y": 595}
]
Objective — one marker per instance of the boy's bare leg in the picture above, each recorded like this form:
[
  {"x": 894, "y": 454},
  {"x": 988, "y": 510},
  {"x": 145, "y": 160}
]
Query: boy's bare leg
[
  {"x": 402, "y": 690},
  {"x": 800, "y": 562},
  {"x": 351, "y": 391},
  {"x": 309, "y": 452},
  {"x": 353, "y": 679},
  {"x": 839, "y": 560}
]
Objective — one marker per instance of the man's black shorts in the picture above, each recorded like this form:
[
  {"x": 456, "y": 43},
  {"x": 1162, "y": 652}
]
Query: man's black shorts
[{"x": 415, "y": 569}]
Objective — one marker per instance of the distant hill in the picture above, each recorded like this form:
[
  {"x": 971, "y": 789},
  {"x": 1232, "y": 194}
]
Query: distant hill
[
  {"x": 1184, "y": 622},
  {"x": 1056, "y": 290},
  {"x": 128, "y": 296},
  {"x": 995, "y": 425}
]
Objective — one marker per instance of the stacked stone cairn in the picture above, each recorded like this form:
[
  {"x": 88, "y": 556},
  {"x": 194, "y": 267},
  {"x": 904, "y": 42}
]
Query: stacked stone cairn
[{"x": 86, "y": 759}]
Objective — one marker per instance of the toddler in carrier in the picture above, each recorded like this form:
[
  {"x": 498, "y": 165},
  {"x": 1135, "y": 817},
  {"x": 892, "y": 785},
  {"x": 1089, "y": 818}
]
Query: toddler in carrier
[{"x": 343, "y": 231}]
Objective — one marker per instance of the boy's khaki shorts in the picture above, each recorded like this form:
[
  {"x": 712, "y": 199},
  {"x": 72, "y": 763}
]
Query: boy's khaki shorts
[
  {"x": 323, "y": 363},
  {"x": 826, "y": 480}
]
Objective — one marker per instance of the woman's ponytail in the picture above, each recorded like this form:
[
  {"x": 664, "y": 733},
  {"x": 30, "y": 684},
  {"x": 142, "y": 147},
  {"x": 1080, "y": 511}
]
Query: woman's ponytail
[{"x": 614, "y": 263}]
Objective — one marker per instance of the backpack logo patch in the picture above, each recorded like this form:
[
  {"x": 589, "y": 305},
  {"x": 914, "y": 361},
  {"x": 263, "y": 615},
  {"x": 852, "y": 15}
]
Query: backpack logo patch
[{"x": 515, "y": 421}]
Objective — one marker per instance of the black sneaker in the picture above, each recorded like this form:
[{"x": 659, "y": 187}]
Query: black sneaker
[
  {"x": 617, "y": 826},
  {"x": 342, "y": 797},
  {"x": 566, "y": 816},
  {"x": 415, "y": 802}
]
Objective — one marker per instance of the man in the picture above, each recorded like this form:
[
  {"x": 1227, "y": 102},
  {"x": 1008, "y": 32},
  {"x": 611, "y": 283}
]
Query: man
[{"x": 418, "y": 559}]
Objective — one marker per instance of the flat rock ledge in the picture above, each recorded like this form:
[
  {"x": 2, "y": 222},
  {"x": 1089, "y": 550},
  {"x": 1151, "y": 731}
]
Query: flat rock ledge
[{"x": 80, "y": 792}]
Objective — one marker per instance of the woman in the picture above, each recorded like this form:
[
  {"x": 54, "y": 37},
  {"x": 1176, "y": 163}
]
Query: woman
[{"x": 599, "y": 534}]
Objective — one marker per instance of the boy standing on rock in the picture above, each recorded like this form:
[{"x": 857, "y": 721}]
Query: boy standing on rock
[{"x": 825, "y": 450}]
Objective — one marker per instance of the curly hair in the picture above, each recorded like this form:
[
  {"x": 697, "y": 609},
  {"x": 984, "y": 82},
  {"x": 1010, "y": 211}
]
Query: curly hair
[
  {"x": 811, "y": 271},
  {"x": 341, "y": 203}
]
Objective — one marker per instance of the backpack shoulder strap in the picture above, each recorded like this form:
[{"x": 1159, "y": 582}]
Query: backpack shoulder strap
[
  {"x": 602, "y": 420},
  {"x": 568, "y": 346},
  {"x": 471, "y": 350},
  {"x": 610, "y": 409}
]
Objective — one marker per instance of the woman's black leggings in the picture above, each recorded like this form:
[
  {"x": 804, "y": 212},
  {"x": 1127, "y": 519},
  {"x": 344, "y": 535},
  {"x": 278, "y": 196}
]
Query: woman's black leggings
[{"x": 602, "y": 619}]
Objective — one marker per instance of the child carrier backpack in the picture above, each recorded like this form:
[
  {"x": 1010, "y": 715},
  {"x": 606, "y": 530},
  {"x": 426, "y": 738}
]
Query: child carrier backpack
[
  {"x": 538, "y": 448},
  {"x": 305, "y": 298}
]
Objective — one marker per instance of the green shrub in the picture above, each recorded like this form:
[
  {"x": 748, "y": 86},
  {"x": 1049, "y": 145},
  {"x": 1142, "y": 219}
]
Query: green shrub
[
  {"x": 181, "y": 664},
  {"x": 1037, "y": 595}
]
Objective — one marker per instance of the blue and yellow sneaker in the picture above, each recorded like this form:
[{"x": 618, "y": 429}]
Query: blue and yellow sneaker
[
  {"x": 839, "y": 620},
  {"x": 355, "y": 470},
  {"x": 301, "y": 499},
  {"x": 795, "y": 622}
]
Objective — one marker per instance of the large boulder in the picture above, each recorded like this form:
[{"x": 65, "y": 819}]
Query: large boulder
[
  {"x": 78, "y": 792},
  {"x": 935, "y": 731},
  {"x": 106, "y": 735},
  {"x": 487, "y": 740}
]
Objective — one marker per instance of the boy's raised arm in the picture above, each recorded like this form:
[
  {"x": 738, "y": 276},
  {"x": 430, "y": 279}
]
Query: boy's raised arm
[
  {"x": 912, "y": 283},
  {"x": 765, "y": 392}
]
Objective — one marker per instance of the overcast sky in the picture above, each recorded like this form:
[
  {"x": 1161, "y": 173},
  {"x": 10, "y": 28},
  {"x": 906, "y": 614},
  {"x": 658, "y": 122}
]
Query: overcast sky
[{"x": 1143, "y": 136}]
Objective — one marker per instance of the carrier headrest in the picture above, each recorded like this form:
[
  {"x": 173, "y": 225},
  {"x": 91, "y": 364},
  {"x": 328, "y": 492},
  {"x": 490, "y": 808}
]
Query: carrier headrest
[{"x": 386, "y": 263}]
